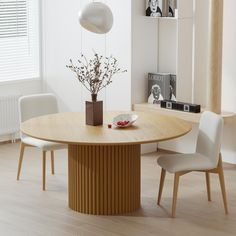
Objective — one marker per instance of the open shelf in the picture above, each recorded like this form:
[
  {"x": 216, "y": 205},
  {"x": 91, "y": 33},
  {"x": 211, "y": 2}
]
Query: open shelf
[
  {"x": 163, "y": 18},
  {"x": 168, "y": 18},
  {"x": 229, "y": 117}
]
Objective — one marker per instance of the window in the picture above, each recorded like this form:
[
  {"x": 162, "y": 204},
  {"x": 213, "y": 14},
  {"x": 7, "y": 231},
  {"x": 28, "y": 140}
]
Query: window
[{"x": 19, "y": 39}]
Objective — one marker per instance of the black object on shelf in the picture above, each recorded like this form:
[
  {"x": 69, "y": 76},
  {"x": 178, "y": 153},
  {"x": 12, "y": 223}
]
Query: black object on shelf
[{"x": 181, "y": 106}]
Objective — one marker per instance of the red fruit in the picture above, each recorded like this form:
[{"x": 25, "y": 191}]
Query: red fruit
[{"x": 122, "y": 123}]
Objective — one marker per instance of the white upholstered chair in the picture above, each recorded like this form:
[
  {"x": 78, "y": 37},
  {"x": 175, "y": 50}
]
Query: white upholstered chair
[
  {"x": 206, "y": 159},
  {"x": 32, "y": 106}
]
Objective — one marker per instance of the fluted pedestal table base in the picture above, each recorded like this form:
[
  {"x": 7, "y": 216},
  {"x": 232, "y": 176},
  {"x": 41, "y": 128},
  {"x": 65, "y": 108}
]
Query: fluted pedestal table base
[{"x": 104, "y": 180}]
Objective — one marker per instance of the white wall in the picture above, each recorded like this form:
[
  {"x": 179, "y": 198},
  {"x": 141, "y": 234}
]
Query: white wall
[
  {"x": 63, "y": 38},
  {"x": 229, "y": 78},
  {"x": 201, "y": 48},
  {"x": 21, "y": 87},
  {"x": 229, "y": 56}
]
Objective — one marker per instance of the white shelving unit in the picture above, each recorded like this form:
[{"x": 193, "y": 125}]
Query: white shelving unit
[
  {"x": 175, "y": 48},
  {"x": 162, "y": 44}
]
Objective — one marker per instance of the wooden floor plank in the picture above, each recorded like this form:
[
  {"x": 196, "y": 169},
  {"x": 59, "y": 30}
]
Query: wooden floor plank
[{"x": 26, "y": 210}]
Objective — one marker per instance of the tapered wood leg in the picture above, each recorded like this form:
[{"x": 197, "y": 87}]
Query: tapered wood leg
[
  {"x": 175, "y": 193},
  {"x": 162, "y": 180},
  {"x": 208, "y": 186},
  {"x": 222, "y": 184},
  {"x": 22, "y": 149},
  {"x": 52, "y": 162},
  {"x": 44, "y": 170}
]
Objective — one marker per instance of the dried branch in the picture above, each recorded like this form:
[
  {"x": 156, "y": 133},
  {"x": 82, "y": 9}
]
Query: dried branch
[{"x": 97, "y": 73}]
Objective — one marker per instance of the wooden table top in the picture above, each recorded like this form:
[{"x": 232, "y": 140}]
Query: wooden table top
[{"x": 70, "y": 128}]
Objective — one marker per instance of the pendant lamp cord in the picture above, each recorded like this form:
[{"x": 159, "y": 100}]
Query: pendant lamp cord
[
  {"x": 81, "y": 52},
  {"x": 105, "y": 52}
]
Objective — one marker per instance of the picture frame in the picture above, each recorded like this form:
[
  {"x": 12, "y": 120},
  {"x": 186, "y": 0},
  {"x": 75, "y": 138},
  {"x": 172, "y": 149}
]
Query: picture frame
[
  {"x": 161, "y": 86},
  {"x": 153, "y": 8},
  {"x": 158, "y": 87}
]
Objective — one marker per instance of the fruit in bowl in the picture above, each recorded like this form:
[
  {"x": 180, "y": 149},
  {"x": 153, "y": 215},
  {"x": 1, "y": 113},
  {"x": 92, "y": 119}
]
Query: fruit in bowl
[
  {"x": 123, "y": 123},
  {"x": 124, "y": 120}
]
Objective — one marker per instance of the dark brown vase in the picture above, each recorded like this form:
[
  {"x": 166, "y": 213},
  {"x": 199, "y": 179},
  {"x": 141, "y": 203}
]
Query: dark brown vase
[{"x": 94, "y": 111}]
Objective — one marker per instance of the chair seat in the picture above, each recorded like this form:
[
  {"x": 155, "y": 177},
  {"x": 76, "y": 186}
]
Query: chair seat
[
  {"x": 44, "y": 145},
  {"x": 185, "y": 162}
]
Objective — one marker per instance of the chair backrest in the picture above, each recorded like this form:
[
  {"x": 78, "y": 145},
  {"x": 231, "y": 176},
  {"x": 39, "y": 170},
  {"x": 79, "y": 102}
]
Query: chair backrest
[
  {"x": 37, "y": 105},
  {"x": 210, "y": 134}
]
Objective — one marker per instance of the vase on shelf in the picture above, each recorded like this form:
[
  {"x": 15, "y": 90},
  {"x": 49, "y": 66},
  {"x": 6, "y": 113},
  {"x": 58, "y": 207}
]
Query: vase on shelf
[{"x": 94, "y": 111}]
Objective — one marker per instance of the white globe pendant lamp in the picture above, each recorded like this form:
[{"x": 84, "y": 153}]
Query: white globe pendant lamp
[{"x": 96, "y": 17}]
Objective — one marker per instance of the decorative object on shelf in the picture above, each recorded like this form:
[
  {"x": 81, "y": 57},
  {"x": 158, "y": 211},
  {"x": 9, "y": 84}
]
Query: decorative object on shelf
[
  {"x": 172, "y": 96},
  {"x": 124, "y": 120},
  {"x": 165, "y": 8},
  {"x": 95, "y": 74},
  {"x": 158, "y": 8},
  {"x": 161, "y": 86},
  {"x": 172, "y": 8},
  {"x": 96, "y": 17},
  {"x": 181, "y": 106},
  {"x": 153, "y": 8}
]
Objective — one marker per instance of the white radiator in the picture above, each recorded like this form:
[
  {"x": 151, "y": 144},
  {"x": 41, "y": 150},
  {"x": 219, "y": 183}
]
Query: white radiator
[{"x": 9, "y": 115}]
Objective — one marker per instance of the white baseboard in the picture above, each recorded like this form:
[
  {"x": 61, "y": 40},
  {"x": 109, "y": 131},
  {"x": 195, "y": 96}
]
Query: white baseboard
[{"x": 9, "y": 137}]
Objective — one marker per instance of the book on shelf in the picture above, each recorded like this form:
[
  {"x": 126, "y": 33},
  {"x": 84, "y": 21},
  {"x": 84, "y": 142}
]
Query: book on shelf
[
  {"x": 161, "y": 86},
  {"x": 172, "y": 8},
  {"x": 172, "y": 87}
]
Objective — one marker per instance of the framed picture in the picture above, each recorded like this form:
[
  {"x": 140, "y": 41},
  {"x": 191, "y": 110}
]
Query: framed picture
[
  {"x": 153, "y": 8},
  {"x": 158, "y": 87}
]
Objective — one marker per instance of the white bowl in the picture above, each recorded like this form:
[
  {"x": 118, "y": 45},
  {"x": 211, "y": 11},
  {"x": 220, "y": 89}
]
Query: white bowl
[{"x": 131, "y": 118}]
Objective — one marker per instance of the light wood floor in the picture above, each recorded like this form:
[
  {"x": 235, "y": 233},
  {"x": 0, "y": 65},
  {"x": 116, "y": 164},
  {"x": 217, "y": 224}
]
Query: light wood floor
[{"x": 26, "y": 210}]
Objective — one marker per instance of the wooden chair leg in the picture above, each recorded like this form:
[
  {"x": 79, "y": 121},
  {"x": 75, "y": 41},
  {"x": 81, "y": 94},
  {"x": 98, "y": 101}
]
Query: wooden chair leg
[
  {"x": 175, "y": 193},
  {"x": 222, "y": 184},
  {"x": 162, "y": 180},
  {"x": 44, "y": 170},
  {"x": 22, "y": 149},
  {"x": 52, "y": 162},
  {"x": 208, "y": 184}
]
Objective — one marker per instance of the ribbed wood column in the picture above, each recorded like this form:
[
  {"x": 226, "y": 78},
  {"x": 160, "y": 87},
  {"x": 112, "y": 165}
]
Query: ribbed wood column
[
  {"x": 215, "y": 55},
  {"x": 104, "y": 180}
]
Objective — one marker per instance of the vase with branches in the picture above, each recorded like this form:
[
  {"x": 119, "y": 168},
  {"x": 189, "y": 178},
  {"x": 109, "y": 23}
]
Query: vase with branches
[{"x": 95, "y": 74}]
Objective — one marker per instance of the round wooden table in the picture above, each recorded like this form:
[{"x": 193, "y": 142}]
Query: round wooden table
[{"x": 104, "y": 164}]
